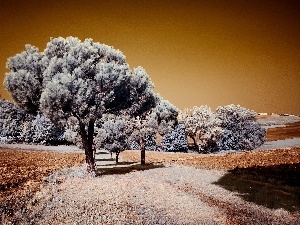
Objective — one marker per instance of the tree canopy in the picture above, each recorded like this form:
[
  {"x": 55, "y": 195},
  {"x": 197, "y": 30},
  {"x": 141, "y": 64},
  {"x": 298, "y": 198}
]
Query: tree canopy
[{"x": 78, "y": 79}]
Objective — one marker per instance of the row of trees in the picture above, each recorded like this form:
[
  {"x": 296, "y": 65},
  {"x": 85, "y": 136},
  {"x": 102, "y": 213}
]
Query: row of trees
[
  {"x": 229, "y": 128},
  {"x": 112, "y": 132},
  {"x": 88, "y": 90}
]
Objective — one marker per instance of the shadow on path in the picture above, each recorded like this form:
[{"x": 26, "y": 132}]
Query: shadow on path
[
  {"x": 126, "y": 167},
  {"x": 273, "y": 186}
]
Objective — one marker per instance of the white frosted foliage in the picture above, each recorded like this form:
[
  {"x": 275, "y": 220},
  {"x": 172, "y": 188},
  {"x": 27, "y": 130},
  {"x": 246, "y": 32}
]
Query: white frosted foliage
[
  {"x": 231, "y": 127},
  {"x": 12, "y": 119},
  {"x": 81, "y": 79},
  {"x": 113, "y": 133},
  {"x": 241, "y": 130},
  {"x": 200, "y": 123},
  {"x": 44, "y": 131},
  {"x": 160, "y": 119},
  {"x": 24, "y": 81},
  {"x": 176, "y": 140}
]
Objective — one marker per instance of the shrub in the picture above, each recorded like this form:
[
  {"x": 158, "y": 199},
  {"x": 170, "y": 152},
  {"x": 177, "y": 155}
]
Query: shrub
[
  {"x": 175, "y": 140},
  {"x": 241, "y": 131}
]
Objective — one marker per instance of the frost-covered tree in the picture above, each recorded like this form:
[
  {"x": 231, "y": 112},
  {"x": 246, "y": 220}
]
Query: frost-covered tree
[
  {"x": 200, "y": 122},
  {"x": 176, "y": 140},
  {"x": 150, "y": 142},
  {"x": 25, "y": 79},
  {"x": 230, "y": 128},
  {"x": 134, "y": 145},
  {"x": 161, "y": 119},
  {"x": 241, "y": 130},
  {"x": 17, "y": 125},
  {"x": 209, "y": 139},
  {"x": 113, "y": 133},
  {"x": 141, "y": 127},
  {"x": 43, "y": 131},
  {"x": 165, "y": 113},
  {"x": 78, "y": 79},
  {"x": 12, "y": 120}
]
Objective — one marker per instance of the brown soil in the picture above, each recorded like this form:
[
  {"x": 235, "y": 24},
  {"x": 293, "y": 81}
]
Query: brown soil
[
  {"x": 226, "y": 161},
  {"x": 292, "y": 130},
  {"x": 22, "y": 171}
]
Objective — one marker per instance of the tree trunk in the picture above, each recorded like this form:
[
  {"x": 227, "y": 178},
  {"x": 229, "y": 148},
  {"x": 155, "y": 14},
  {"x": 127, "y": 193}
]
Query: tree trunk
[
  {"x": 87, "y": 141},
  {"x": 143, "y": 152},
  {"x": 117, "y": 156},
  {"x": 195, "y": 144}
]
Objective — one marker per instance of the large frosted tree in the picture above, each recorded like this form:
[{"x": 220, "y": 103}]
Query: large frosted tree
[{"x": 71, "y": 78}]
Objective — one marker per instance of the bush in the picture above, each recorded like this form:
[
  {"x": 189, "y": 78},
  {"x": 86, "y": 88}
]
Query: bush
[
  {"x": 231, "y": 127},
  {"x": 43, "y": 131},
  {"x": 241, "y": 131},
  {"x": 175, "y": 140},
  {"x": 12, "y": 120}
]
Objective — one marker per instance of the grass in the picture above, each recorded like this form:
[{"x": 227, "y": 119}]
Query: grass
[{"x": 272, "y": 186}]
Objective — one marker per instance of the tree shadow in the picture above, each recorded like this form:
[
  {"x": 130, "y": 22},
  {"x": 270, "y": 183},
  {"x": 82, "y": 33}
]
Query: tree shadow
[
  {"x": 272, "y": 186},
  {"x": 104, "y": 160},
  {"x": 113, "y": 162},
  {"x": 126, "y": 167},
  {"x": 102, "y": 153}
]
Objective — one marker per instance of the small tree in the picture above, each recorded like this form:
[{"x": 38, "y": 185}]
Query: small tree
[
  {"x": 241, "y": 130},
  {"x": 43, "y": 131},
  {"x": 161, "y": 119},
  {"x": 78, "y": 79},
  {"x": 12, "y": 120},
  {"x": 201, "y": 122},
  {"x": 113, "y": 133}
]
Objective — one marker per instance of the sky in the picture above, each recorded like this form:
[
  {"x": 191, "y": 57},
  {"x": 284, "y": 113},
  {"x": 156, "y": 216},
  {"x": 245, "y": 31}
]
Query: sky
[{"x": 202, "y": 52}]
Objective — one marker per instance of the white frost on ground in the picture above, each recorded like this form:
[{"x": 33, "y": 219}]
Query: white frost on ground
[
  {"x": 171, "y": 195},
  {"x": 59, "y": 148},
  {"x": 287, "y": 143},
  {"x": 277, "y": 121}
]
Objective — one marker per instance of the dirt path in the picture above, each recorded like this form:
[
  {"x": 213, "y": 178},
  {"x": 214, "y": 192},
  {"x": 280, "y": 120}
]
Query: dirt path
[
  {"x": 174, "y": 194},
  {"x": 170, "y": 195}
]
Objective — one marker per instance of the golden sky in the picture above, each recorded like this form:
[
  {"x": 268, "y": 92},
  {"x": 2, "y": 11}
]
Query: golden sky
[{"x": 213, "y": 52}]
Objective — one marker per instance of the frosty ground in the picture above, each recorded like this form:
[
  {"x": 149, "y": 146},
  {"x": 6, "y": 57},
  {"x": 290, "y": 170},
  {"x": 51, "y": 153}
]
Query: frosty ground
[{"x": 171, "y": 192}]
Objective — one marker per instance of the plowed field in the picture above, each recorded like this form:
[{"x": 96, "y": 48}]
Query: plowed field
[{"x": 22, "y": 171}]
